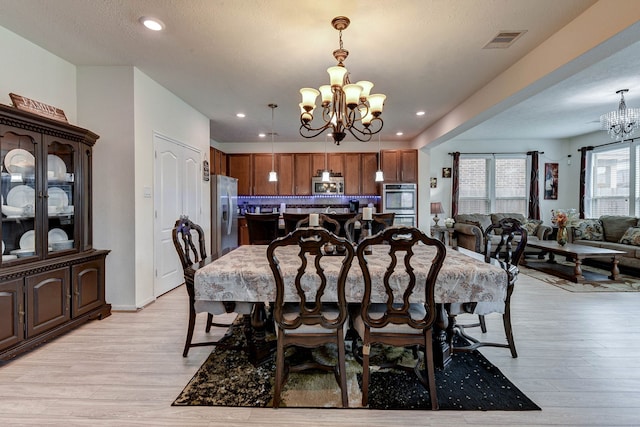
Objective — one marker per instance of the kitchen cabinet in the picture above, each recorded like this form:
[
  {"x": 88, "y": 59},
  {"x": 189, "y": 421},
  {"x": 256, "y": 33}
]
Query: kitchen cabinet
[
  {"x": 302, "y": 174},
  {"x": 318, "y": 163},
  {"x": 239, "y": 166},
  {"x": 243, "y": 232},
  {"x": 285, "y": 166},
  {"x": 46, "y": 229},
  {"x": 252, "y": 172},
  {"x": 359, "y": 173},
  {"x": 262, "y": 165},
  {"x": 218, "y": 162},
  {"x": 399, "y": 165}
]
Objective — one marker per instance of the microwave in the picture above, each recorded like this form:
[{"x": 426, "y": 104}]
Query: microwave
[{"x": 335, "y": 185}]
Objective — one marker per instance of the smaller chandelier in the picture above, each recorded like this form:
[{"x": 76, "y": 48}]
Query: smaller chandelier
[
  {"x": 622, "y": 122},
  {"x": 345, "y": 106}
]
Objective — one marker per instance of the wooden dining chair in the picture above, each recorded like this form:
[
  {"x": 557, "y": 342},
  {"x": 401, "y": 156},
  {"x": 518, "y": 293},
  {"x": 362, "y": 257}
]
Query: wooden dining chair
[
  {"x": 382, "y": 221},
  {"x": 192, "y": 257},
  {"x": 379, "y": 222},
  {"x": 342, "y": 219},
  {"x": 263, "y": 228},
  {"x": 399, "y": 322},
  {"x": 291, "y": 220},
  {"x": 324, "y": 221},
  {"x": 319, "y": 316},
  {"x": 506, "y": 253}
]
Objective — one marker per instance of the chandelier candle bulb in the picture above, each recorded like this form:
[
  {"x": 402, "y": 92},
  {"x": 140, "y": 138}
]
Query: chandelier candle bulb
[
  {"x": 336, "y": 75},
  {"x": 367, "y": 214},
  {"x": 375, "y": 103},
  {"x": 352, "y": 94},
  {"x": 313, "y": 220},
  {"x": 366, "y": 89},
  {"x": 309, "y": 96}
]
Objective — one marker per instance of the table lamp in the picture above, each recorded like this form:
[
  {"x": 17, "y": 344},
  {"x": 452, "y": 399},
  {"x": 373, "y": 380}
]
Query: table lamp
[{"x": 436, "y": 208}]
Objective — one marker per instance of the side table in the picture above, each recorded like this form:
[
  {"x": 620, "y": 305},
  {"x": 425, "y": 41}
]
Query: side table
[{"x": 444, "y": 234}]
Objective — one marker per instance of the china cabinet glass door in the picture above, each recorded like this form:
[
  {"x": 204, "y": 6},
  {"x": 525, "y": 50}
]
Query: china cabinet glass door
[
  {"x": 19, "y": 157},
  {"x": 60, "y": 195}
]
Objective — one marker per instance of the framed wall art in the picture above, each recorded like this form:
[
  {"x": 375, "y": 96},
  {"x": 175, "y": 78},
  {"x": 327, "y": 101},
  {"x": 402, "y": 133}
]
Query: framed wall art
[{"x": 551, "y": 181}]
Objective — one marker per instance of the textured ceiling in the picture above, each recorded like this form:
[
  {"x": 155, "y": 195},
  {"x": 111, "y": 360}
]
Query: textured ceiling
[{"x": 225, "y": 57}]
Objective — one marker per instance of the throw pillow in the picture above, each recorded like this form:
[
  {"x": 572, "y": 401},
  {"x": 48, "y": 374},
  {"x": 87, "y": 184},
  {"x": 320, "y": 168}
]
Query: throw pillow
[
  {"x": 531, "y": 226},
  {"x": 589, "y": 229},
  {"x": 631, "y": 236}
]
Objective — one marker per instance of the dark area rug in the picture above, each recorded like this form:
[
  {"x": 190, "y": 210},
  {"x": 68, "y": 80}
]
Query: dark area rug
[{"x": 470, "y": 382}]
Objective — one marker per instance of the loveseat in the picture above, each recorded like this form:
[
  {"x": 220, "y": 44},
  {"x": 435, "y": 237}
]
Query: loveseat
[
  {"x": 468, "y": 230},
  {"x": 616, "y": 232}
]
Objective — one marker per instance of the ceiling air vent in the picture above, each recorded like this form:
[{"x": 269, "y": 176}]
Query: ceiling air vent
[{"x": 504, "y": 39}]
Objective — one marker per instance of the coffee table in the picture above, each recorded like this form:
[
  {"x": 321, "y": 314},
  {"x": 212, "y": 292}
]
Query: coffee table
[{"x": 576, "y": 253}]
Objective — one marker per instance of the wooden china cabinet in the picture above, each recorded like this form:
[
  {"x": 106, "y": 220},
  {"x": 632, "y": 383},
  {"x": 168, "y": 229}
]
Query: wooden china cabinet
[{"x": 51, "y": 277}]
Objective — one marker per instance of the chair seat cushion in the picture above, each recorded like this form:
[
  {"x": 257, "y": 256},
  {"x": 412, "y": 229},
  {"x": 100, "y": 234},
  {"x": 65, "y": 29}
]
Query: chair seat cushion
[{"x": 416, "y": 310}]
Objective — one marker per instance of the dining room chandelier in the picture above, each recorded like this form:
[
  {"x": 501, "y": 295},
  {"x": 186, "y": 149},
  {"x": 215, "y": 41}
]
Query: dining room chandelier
[
  {"x": 345, "y": 106},
  {"x": 622, "y": 122}
]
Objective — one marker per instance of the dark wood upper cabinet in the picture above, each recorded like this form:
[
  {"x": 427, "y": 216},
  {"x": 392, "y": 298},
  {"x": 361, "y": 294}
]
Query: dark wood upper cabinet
[
  {"x": 368, "y": 184},
  {"x": 240, "y": 168},
  {"x": 262, "y": 165},
  {"x": 286, "y": 172},
  {"x": 303, "y": 174},
  {"x": 400, "y": 165}
]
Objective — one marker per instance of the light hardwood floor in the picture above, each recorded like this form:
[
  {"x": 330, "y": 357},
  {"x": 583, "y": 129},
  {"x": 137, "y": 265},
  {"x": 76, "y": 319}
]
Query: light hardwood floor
[{"x": 579, "y": 359}]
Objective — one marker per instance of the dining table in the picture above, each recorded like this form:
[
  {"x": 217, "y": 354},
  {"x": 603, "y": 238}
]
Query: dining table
[{"x": 244, "y": 277}]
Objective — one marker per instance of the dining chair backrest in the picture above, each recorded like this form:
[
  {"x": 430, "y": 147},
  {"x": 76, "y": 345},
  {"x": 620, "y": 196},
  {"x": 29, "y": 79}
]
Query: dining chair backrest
[
  {"x": 263, "y": 228},
  {"x": 379, "y": 222},
  {"x": 382, "y": 221},
  {"x": 507, "y": 251},
  {"x": 189, "y": 251},
  {"x": 324, "y": 221},
  {"x": 399, "y": 279},
  {"x": 291, "y": 220},
  {"x": 309, "y": 279},
  {"x": 342, "y": 219}
]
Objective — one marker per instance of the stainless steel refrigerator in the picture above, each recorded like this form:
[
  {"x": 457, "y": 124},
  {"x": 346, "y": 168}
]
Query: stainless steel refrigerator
[{"x": 224, "y": 221}]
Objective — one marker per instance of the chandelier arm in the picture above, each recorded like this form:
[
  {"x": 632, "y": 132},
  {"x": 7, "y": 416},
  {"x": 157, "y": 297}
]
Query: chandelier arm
[
  {"x": 311, "y": 132},
  {"x": 369, "y": 130}
]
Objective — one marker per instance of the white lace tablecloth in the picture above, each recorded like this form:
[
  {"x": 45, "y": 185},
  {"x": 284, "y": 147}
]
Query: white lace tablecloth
[{"x": 244, "y": 276}]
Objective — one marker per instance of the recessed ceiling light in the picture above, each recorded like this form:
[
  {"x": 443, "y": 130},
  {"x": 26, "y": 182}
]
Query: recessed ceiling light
[
  {"x": 262, "y": 135},
  {"x": 241, "y": 115},
  {"x": 152, "y": 23},
  {"x": 420, "y": 113},
  {"x": 399, "y": 133}
]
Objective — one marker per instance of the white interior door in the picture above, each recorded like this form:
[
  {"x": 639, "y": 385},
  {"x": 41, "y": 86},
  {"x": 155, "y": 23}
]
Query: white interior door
[{"x": 177, "y": 192}]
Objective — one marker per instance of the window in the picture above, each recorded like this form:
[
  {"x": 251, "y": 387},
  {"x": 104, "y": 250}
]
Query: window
[
  {"x": 613, "y": 187},
  {"x": 493, "y": 184}
]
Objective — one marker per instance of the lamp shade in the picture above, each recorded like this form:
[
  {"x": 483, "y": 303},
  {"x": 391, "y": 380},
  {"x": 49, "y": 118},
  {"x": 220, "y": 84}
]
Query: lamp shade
[{"x": 436, "y": 208}]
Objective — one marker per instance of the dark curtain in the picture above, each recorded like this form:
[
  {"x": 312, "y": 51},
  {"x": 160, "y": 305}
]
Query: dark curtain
[
  {"x": 534, "y": 192},
  {"x": 455, "y": 184},
  {"x": 583, "y": 177}
]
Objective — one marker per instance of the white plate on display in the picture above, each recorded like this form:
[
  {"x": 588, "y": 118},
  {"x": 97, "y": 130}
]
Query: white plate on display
[
  {"x": 57, "y": 197},
  {"x": 3, "y": 246},
  {"x": 57, "y": 235},
  {"x": 19, "y": 161},
  {"x": 21, "y": 253},
  {"x": 56, "y": 168},
  {"x": 21, "y": 196},
  {"x": 28, "y": 241}
]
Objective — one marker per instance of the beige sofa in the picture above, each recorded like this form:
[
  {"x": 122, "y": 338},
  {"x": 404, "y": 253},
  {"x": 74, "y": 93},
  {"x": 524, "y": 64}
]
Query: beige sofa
[
  {"x": 620, "y": 233},
  {"x": 468, "y": 229}
]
